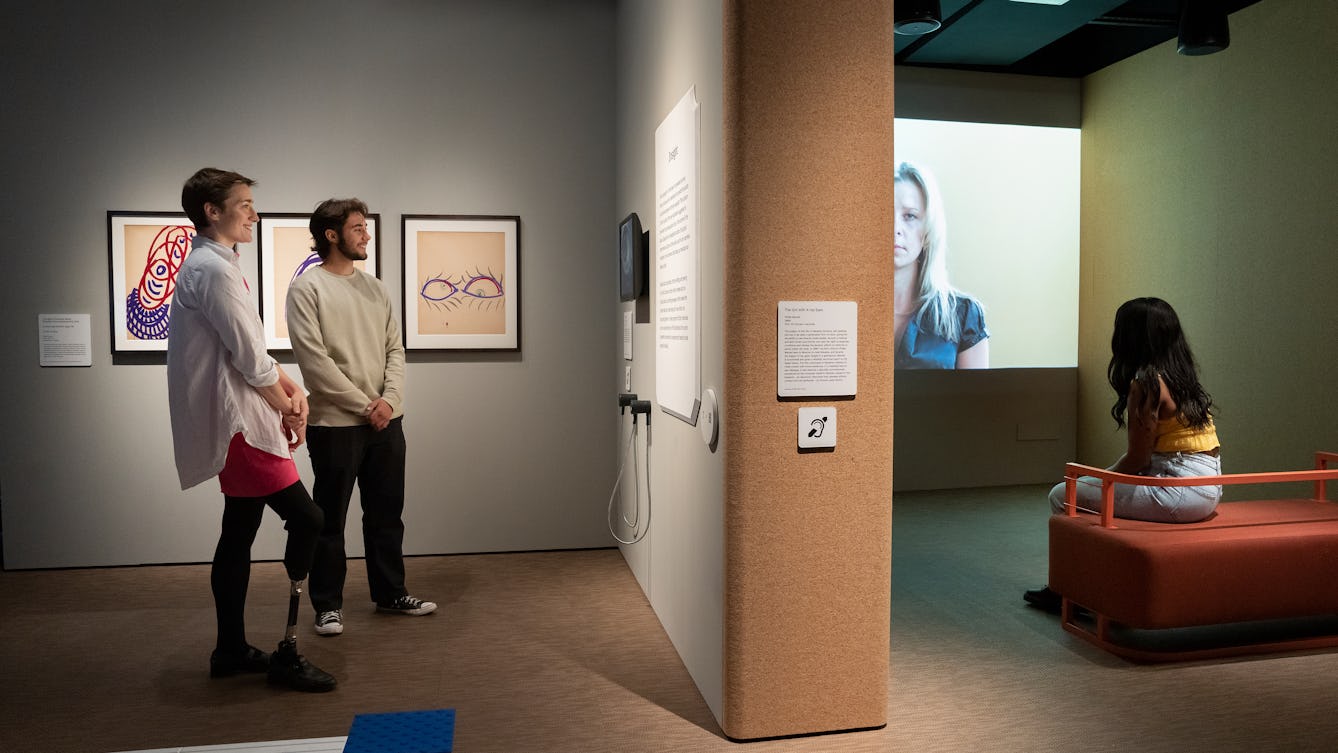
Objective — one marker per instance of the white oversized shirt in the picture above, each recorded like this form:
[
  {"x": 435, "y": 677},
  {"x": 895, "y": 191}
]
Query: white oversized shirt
[{"x": 215, "y": 355}]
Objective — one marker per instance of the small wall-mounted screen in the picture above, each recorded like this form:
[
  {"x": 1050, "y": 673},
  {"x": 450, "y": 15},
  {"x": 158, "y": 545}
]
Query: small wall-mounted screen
[{"x": 631, "y": 259}]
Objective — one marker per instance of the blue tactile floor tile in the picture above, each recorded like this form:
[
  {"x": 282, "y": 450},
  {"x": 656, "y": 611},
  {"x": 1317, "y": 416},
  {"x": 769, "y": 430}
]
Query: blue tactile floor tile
[{"x": 402, "y": 732}]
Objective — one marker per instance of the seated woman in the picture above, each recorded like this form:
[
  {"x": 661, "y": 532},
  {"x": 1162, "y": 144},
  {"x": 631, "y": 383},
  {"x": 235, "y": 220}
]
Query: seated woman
[
  {"x": 1170, "y": 426},
  {"x": 937, "y": 326}
]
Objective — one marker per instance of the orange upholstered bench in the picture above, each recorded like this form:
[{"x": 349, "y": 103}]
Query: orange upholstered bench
[{"x": 1252, "y": 560}]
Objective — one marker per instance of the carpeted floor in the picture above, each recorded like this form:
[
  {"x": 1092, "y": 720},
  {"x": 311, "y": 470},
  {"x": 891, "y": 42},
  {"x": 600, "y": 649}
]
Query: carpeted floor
[{"x": 559, "y": 651}]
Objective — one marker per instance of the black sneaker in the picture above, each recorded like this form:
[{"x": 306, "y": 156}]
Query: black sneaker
[
  {"x": 407, "y": 605},
  {"x": 330, "y": 622},
  {"x": 291, "y": 669},
  {"x": 229, "y": 663},
  {"x": 1045, "y": 600}
]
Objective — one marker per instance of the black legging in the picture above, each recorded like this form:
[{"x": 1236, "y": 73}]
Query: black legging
[{"x": 232, "y": 558}]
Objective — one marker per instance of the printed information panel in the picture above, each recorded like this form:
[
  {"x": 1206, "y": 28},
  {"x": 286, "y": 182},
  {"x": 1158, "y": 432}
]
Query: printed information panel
[
  {"x": 677, "y": 296},
  {"x": 64, "y": 340},
  {"x": 816, "y": 348}
]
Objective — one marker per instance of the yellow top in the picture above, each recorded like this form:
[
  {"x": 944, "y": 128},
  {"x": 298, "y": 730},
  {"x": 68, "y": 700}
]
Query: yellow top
[{"x": 1174, "y": 436}]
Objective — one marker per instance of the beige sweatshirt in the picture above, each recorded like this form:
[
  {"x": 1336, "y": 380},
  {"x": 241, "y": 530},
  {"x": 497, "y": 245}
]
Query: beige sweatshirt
[{"x": 347, "y": 343}]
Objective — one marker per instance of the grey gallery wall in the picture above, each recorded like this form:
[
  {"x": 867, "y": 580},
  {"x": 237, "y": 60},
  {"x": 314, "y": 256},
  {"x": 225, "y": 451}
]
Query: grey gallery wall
[{"x": 417, "y": 108}]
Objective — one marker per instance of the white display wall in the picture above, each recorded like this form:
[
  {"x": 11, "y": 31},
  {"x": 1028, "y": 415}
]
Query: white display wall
[{"x": 666, "y": 48}]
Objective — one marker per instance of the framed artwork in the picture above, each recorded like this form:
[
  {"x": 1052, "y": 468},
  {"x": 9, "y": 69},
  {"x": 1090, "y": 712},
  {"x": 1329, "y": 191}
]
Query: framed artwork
[
  {"x": 145, "y": 251},
  {"x": 461, "y": 282},
  {"x": 286, "y": 251}
]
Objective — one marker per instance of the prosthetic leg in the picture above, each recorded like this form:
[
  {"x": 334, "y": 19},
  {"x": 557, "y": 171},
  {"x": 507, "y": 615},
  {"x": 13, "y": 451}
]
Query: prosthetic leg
[
  {"x": 289, "y": 668},
  {"x": 294, "y": 599}
]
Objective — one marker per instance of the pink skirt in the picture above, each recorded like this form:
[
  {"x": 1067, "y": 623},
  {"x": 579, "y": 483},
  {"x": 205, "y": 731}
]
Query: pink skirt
[{"x": 249, "y": 472}]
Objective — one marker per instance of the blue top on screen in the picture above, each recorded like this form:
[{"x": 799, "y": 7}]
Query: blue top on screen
[{"x": 921, "y": 349}]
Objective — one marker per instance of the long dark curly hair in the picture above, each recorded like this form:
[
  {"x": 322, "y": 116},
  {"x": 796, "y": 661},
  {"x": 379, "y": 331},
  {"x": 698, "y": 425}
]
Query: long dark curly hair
[{"x": 1148, "y": 342}]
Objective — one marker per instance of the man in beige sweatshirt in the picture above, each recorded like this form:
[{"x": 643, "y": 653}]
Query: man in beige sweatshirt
[{"x": 347, "y": 343}]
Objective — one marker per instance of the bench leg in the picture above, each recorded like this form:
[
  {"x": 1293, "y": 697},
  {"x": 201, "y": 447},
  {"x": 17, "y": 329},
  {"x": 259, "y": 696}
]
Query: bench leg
[{"x": 1097, "y": 633}]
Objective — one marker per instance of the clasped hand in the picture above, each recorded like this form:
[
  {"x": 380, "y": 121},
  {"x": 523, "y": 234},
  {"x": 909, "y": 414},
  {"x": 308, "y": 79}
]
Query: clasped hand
[
  {"x": 295, "y": 420},
  {"x": 379, "y": 413}
]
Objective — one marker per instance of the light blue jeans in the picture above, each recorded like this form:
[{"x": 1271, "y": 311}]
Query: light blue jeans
[{"x": 1161, "y": 504}]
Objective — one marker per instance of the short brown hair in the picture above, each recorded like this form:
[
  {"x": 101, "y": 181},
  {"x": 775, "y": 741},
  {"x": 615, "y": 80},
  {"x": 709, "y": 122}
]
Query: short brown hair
[
  {"x": 331, "y": 214},
  {"x": 208, "y": 185}
]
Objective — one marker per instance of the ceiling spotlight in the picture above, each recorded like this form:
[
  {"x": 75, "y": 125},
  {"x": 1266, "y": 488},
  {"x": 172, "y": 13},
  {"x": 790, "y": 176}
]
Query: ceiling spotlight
[
  {"x": 916, "y": 17},
  {"x": 1203, "y": 28}
]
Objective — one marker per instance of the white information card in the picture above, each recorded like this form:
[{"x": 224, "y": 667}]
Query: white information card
[
  {"x": 816, "y": 348},
  {"x": 628, "y": 320},
  {"x": 64, "y": 340}
]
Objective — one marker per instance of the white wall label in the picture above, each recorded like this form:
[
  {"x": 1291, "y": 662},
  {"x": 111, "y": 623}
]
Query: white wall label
[
  {"x": 677, "y": 287},
  {"x": 628, "y": 317},
  {"x": 816, "y": 348},
  {"x": 64, "y": 340}
]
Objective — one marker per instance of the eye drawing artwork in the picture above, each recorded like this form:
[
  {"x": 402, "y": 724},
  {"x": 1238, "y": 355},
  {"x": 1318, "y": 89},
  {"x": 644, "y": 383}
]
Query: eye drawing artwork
[
  {"x": 146, "y": 251},
  {"x": 477, "y": 288},
  {"x": 460, "y": 290},
  {"x": 468, "y": 302},
  {"x": 287, "y": 252}
]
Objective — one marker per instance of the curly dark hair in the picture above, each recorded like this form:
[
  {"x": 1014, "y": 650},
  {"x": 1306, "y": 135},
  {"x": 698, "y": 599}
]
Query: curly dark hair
[
  {"x": 331, "y": 214},
  {"x": 1148, "y": 341}
]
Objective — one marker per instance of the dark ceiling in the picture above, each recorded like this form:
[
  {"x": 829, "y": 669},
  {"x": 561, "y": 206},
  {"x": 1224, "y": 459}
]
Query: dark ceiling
[{"x": 1069, "y": 40}]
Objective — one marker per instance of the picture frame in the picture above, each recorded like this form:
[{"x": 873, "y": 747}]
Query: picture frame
[
  {"x": 286, "y": 251},
  {"x": 461, "y": 282},
  {"x": 145, "y": 251}
]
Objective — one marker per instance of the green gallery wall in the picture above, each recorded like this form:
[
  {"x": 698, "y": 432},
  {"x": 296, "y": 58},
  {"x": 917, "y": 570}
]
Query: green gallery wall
[{"x": 1210, "y": 182}]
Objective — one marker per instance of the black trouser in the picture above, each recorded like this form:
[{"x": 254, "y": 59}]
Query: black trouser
[
  {"x": 231, "y": 573},
  {"x": 340, "y": 456}
]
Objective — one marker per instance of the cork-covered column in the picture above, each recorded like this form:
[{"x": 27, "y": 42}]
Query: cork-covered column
[{"x": 808, "y": 216}]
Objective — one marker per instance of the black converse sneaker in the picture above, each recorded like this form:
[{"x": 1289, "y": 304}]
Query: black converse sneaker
[
  {"x": 407, "y": 605},
  {"x": 330, "y": 622},
  {"x": 291, "y": 669}
]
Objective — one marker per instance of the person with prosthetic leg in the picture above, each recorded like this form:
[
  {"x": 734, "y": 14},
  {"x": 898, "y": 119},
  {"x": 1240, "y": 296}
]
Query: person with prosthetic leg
[{"x": 237, "y": 416}]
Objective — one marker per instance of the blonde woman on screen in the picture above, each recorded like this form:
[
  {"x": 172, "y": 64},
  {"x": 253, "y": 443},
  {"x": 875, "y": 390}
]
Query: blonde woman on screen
[{"x": 937, "y": 326}]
